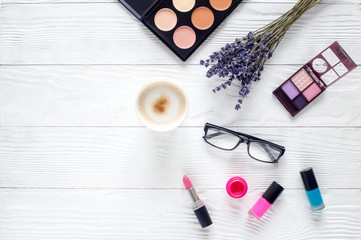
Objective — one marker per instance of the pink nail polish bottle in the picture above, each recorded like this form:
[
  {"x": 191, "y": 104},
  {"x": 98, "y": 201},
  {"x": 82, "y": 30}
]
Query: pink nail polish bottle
[{"x": 267, "y": 199}]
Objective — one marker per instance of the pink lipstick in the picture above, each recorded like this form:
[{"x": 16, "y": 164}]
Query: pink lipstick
[{"x": 198, "y": 206}]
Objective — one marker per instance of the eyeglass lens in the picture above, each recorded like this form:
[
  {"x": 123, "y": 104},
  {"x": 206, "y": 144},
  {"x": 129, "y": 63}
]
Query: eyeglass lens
[
  {"x": 263, "y": 152},
  {"x": 221, "y": 139}
]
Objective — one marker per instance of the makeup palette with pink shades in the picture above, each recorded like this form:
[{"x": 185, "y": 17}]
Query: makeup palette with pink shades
[
  {"x": 182, "y": 25},
  {"x": 313, "y": 78}
]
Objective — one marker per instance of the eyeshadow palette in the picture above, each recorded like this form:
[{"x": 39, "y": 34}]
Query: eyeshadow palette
[
  {"x": 313, "y": 78},
  {"x": 182, "y": 25}
]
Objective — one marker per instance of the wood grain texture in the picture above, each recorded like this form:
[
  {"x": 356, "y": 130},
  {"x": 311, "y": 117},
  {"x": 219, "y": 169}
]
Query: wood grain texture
[
  {"x": 103, "y": 33},
  {"x": 138, "y": 158},
  {"x": 116, "y": 1},
  {"x": 105, "y": 96},
  {"x": 166, "y": 214},
  {"x": 76, "y": 162}
]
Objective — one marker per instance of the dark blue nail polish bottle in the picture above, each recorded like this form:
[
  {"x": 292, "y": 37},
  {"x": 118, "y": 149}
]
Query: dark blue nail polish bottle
[{"x": 312, "y": 190}]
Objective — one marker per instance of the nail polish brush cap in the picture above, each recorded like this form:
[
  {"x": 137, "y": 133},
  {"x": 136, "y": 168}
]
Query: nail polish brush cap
[
  {"x": 272, "y": 192},
  {"x": 309, "y": 179}
]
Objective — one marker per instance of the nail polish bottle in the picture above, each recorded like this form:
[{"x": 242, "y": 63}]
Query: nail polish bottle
[
  {"x": 267, "y": 199},
  {"x": 312, "y": 190}
]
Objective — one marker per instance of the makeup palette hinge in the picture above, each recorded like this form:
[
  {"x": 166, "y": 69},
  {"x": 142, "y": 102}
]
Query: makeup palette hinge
[{"x": 319, "y": 82}]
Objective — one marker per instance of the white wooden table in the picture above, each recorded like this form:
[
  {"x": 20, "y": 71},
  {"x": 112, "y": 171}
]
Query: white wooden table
[{"x": 77, "y": 163}]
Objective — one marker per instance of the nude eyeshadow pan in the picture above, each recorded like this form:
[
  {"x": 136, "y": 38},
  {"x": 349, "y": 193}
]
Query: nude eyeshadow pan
[
  {"x": 314, "y": 78},
  {"x": 184, "y": 5},
  {"x": 165, "y": 19},
  {"x": 182, "y": 25},
  {"x": 220, "y": 5},
  {"x": 184, "y": 37},
  {"x": 202, "y": 18}
]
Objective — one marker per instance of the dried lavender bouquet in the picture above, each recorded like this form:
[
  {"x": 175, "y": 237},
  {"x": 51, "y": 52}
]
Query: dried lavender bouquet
[{"x": 243, "y": 60}]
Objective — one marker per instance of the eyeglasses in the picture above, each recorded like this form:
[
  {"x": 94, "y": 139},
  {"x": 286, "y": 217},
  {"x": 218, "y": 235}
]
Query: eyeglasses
[{"x": 228, "y": 140}]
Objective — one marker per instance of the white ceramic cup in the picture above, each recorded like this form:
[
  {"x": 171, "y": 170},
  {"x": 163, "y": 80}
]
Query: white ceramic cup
[{"x": 162, "y": 105}]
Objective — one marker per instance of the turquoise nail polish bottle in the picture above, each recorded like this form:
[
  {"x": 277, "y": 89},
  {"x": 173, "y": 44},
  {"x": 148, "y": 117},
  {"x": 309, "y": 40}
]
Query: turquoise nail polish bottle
[{"x": 312, "y": 190}]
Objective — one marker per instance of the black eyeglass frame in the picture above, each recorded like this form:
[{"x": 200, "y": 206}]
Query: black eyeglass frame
[{"x": 244, "y": 138}]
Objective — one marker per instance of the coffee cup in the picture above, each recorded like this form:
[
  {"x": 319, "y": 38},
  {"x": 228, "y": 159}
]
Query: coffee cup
[{"x": 162, "y": 105}]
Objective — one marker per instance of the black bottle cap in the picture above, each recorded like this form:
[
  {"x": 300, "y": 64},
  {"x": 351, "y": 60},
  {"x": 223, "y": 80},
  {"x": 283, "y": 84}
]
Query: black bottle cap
[
  {"x": 203, "y": 217},
  {"x": 272, "y": 192},
  {"x": 309, "y": 179}
]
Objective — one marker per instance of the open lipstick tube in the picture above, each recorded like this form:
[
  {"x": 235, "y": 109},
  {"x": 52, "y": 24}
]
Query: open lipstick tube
[{"x": 198, "y": 206}]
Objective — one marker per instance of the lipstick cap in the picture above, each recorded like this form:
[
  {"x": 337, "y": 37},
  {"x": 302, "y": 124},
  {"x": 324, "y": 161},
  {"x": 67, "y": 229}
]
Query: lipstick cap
[
  {"x": 272, "y": 192},
  {"x": 309, "y": 179}
]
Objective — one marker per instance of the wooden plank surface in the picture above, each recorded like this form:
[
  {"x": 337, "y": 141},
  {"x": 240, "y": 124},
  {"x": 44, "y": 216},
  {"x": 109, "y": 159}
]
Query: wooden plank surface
[
  {"x": 76, "y": 162},
  {"x": 108, "y": 157},
  {"x": 106, "y": 95},
  {"x": 103, "y": 33},
  {"x": 116, "y": 1},
  {"x": 166, "y": 214}
]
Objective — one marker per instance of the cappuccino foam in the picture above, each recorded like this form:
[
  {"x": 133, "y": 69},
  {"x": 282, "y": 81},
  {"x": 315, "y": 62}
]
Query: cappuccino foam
[{"x": 162, "y": 103}]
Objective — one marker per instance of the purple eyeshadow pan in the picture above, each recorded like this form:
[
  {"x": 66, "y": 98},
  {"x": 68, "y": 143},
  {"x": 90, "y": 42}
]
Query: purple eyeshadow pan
[
  {"x": 290, "y": 89},
  {"x": 300, "y": 101}
]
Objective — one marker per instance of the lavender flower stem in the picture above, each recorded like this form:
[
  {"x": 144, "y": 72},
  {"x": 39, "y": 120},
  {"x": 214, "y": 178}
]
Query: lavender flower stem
[{"x": 244, "y": 59}]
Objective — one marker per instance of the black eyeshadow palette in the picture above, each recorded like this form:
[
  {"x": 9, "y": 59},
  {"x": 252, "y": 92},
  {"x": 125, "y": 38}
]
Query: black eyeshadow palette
[{"x": 182, "y": 25}]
